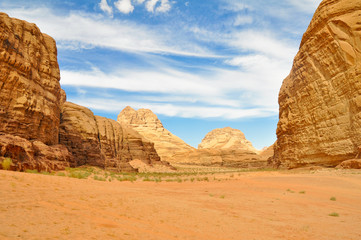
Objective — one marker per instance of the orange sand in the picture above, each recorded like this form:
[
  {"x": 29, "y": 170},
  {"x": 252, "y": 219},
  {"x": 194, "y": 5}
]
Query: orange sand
[{"x": 252, "y": 206}]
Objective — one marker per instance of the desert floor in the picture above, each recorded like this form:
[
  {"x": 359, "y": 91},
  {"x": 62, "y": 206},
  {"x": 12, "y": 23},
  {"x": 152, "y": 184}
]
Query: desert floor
[{"x": 251, "y": 205}]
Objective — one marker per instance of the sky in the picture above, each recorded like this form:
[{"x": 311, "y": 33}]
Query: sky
[{"x": 197, "y": 64}]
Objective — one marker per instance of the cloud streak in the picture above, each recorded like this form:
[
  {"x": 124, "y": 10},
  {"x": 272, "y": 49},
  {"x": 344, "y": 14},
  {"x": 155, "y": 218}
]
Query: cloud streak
[{"x": 90, "y": 30}]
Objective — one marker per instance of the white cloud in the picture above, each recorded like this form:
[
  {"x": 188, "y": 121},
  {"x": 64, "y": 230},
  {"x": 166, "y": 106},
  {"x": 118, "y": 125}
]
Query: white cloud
[
  {"x": 164, "y": 6},
  {"x": 153, "y": 5},
  {"x": 263, "y": 42},
  {"x": 242, "y": 20},
  {"x": 105, "y": 7},
  {"x": 150, "y": 5},
  {"x": 172, "y": 110},
  {"x": 124, "y": 6},
  {"x": 86, "y": 30},
  {"x": 308, "y": 6}
]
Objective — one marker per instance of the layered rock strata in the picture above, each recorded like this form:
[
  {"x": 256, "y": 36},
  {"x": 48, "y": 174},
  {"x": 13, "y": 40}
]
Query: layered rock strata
[
  {"x": 320, "y": 101},
  {"x": 225, "y": 147},
  {"x": 29, "y": 82},
  {"x": 102, "y": 142},
  {"x": 145, "y": 122},
  {"x": 226, "y": 138}
]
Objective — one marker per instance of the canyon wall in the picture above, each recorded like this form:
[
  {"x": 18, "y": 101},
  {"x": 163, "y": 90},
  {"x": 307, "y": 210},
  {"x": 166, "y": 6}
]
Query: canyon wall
[
  {"x": 320, "y": 100},
  {"x": 34, "y": 114}
]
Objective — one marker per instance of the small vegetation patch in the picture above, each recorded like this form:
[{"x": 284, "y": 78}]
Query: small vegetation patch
[
  {"x": 31, "y": 171},
  {"x": 334, "y": 214},
  {"x": 6, "y": 163},
  {"x": 302, "y": 192},
  {"x": 333, "y": 199}
]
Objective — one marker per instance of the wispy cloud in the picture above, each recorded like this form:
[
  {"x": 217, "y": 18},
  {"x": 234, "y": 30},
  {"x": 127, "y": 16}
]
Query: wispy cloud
[
  {"x": 308, "y": 6},
  {"x": 153, "y": 5},
  {"x": 81, "y": 29},
  {"x": 171, "y": 110}
]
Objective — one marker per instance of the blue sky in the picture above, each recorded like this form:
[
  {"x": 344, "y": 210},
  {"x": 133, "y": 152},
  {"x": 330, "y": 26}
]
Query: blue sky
[{"x": 198, "y": 64}]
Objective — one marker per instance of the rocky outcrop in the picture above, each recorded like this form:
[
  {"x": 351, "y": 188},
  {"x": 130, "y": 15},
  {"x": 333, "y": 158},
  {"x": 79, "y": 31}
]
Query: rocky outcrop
[
  {"x": 226, "y": 138},
  {"x": 320, "y": 101},
  {"x": 27, "y": 154},
  {"x": 102, "y": 142},
  {"x": 221, "y": 158},
  {"x": 146, "y": 123},
  {"x": 350, "y": 164},
  {"x": 29, "y": 82},
  {"x": 225, "y": 147}
]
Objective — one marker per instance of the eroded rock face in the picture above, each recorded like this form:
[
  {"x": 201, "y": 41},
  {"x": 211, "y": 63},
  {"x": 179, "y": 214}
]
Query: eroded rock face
[
  {"x": 145, "y": 122},
  {"x": 29, "y": 82},
  {"x": 320, "y": 101},
  {"x": 226, "y": 147},
  {"x": 221, "y": 157},
  {"x": 102, "y": 142},
  {"x": 226, "y": 138},
  {"x": 27, "y": 154}
]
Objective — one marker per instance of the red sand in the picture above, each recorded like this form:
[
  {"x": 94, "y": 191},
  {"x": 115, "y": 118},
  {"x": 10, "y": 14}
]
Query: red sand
[{"x": 253, "y": 206}]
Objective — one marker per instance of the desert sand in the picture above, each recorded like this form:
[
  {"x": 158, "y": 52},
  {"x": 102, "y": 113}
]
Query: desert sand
[{"x": 249, "y": 205}]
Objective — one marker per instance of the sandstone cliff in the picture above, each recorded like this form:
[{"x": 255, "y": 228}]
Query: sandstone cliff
[
  {"x": 102, "y": 142},
  {"x": 145, "y": 122},
  {"x": 29, "y": 82},
  {"x": 32, "y": 104},
  {"x": 29, "y": 98},
  {"x": 320, "y": 101}
]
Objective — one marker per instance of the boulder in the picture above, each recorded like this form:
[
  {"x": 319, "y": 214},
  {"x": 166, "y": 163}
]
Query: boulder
[{"x": 350, "y": 164}]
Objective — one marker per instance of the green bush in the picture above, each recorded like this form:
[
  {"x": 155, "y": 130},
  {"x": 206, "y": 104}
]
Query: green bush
[
  {"x": 334, "y": 214},
  {"x": 6, "y": 163}
]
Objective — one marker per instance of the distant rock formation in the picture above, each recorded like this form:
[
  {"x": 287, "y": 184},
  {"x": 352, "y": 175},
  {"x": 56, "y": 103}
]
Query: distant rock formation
[
  {"x": 221, "y": 147},
  {"x": 320, "y": 101},
  {"x": 226, "y": 147},
  {"x": 32, "y": 104},
  {"x": 226, "y": 138},
  {"x": 146, "y": 123},
  {"x": 267, "y": 153}
]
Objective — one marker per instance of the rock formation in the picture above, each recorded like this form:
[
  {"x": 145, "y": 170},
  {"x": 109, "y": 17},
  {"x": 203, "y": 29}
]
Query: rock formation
[
  {"x": 145, "y": 122},
  {"x": 29, "y": 82},
  {"x": 27, "y": 154},
  {"x": 102, "y": 142},
  {"x": 267, "y": 153},
  {"x": 225, "y": 147},
  {"x": 29, "y": 97},
  {"x": 226, "y": 138},
  {"x": 320, "y": 101},
  {"x": 32, "y": 104}
]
